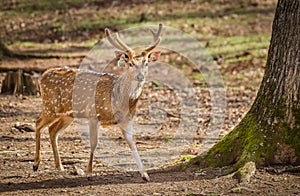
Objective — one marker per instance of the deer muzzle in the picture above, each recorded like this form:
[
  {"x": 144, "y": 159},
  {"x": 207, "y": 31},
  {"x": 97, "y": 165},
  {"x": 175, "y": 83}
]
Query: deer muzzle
[{"x": 140, "y": 77}]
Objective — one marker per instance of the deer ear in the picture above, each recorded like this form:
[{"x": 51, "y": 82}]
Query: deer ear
[{"x": 153, "y": 56}]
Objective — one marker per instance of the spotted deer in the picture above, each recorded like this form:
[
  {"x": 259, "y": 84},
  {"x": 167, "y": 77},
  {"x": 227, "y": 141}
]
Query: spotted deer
[{"x": 114, "y": 102}]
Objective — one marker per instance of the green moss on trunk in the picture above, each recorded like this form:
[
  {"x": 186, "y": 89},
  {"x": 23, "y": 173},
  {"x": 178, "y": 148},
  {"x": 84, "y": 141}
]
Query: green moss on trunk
[
  {"x": 245, "y": 143},
  {"x": 257, "y": 141}
]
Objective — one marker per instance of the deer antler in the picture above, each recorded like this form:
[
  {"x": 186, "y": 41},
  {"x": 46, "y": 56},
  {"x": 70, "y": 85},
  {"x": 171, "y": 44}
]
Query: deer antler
[
  {"x": 156, "y": 38},
  {"x": 116, "y": 41},
  {"x": 119, "y": 44}
]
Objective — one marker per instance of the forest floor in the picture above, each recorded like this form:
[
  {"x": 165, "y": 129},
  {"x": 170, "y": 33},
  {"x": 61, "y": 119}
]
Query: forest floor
[{"x": 236, "y": 33}]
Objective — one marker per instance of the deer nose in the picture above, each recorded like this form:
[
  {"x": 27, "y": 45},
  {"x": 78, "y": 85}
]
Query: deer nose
[{"x": 140, "y": 77}]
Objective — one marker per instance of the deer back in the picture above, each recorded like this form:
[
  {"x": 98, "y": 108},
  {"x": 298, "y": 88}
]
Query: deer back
[
  {"x": 67, "y": 91},
  {"x": 56, "y": 89}
]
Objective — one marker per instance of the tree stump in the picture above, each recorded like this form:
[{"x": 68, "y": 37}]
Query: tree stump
[{"x": 20, "y": 83}]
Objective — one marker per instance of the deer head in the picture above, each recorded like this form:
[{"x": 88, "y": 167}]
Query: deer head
[{"x": 136, "y": 62}]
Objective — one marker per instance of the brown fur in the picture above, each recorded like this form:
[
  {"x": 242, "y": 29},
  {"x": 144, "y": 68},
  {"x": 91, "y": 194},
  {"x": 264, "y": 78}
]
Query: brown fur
[{"x": 57, "y": 87}]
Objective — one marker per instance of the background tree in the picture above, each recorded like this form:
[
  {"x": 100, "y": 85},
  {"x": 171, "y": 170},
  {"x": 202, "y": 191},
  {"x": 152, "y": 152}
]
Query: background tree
[{"x": 270, "y": 131}]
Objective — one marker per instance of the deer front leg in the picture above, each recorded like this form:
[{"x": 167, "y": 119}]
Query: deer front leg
[
  {"x": 93, "y": 129},
  {"x": 41, "y": 123},
  {"x": 128, "y": 134}
]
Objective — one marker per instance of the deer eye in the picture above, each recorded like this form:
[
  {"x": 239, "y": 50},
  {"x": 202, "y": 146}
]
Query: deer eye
[
  {"x": 130, "y": 64},
  {"x": 126, "y": 56}
]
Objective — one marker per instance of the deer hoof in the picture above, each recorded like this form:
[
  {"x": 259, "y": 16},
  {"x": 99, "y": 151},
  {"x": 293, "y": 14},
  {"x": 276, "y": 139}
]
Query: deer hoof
[
  {"x": 145, "y": 177},
  {"x": 89, "y": 176},
  {"x": 35, "y": 167}
]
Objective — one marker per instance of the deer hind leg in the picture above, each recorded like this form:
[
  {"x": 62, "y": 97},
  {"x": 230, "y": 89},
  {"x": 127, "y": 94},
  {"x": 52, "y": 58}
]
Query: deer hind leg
[
  {"x": 41, "y": 123},
  {"x": 128, "y": 134},
  {"x": 60, "y": 124},
  {"x": 93, "y": 129}
]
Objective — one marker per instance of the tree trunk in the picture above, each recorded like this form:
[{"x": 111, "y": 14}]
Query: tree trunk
[{"x": 270, "y": 132}]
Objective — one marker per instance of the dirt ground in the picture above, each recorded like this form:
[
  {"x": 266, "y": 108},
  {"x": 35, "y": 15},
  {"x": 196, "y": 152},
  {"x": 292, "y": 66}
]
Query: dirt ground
[{"x": 17, "y": 177}]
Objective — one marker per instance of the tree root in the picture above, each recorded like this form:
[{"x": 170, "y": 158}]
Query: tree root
[{"x": 245, "y": 173}]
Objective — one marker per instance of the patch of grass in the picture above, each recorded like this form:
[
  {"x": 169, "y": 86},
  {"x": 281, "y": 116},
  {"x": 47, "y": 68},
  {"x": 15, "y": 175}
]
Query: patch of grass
[
  {"x": 169, "y": 138},
  {"x": 198, "y": 77},
  {"x": 239, "y": 48},
  {"x": 202, "y": 17},
  {"x": 42, "y": 46},
  {"x": 237, "y": 190},
  {"x": 186, "y": 158},
  {"x": 190, "y": 193},
  {"x": 102, "y": 23},
  {"x": 53, "y": 46},
  {"x": 212, "y": 194},
  {"x": 44, "y": 5}
]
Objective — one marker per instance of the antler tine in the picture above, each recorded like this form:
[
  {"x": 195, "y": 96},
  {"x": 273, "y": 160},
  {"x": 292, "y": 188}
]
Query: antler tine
[
  {"x": 156, "y": 38},
  {"x": 111, "y": 39},
  {"x": 157, "y": 34},
  {"x": 122, "y": 44},
  {"x": 116, "y": 42}
]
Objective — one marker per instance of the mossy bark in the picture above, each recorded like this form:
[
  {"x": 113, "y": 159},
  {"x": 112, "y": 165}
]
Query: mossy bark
[{"x": 270, "y": 132}]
